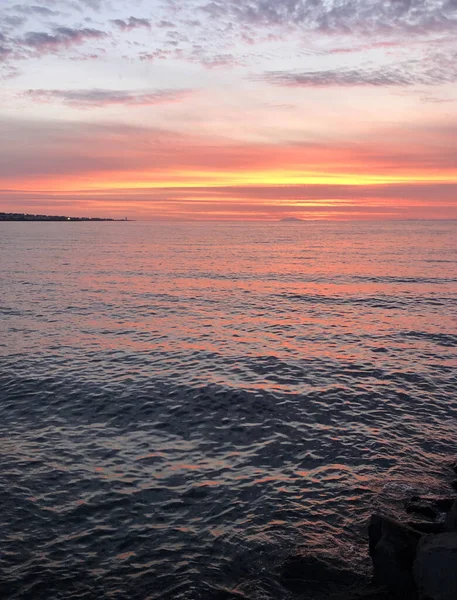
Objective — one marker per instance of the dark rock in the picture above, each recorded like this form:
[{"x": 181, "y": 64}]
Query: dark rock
[
  {"x": 454, "y": 466},
  {"x": 367, "y": 593},
  {"x": 451, "y": 518},
  {"x": 421, "y": 509},
  {"x": 228, "y": 595},
  {"x": 435, "y": 567},
  {"x": 454, "y": 484},
  {"x": 427, "y": 527},
  {"x": 300, "y": 572},
  {"x": 393, "y": 550},
  {"x": 438, "y": 502},
  {"x": 442, "y": 504},
  {"x": 428, "y": 506}
]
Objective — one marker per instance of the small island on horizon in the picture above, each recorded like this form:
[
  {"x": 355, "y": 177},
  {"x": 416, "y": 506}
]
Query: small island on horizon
[
  {"x": 28, "y": 217},
  {"x": 291, "y": 220}
]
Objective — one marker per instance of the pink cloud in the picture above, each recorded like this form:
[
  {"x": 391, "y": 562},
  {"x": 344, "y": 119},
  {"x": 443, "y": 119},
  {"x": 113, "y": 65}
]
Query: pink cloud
[
  {"x": 63, "y": 37},
  {"x": 97, "y": 98}
]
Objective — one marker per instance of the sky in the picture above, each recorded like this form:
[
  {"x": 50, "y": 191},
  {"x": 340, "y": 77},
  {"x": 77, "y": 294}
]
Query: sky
[{"x": 229, "y": 109}]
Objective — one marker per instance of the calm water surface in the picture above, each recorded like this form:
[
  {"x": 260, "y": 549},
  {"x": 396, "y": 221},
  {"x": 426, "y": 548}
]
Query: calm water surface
[{"x": 182, "y": 406}]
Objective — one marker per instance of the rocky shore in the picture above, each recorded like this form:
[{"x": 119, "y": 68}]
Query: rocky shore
[{"x": 415, "y": 559}]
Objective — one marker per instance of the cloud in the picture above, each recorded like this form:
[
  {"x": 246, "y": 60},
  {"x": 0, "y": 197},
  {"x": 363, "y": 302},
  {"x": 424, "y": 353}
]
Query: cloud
[
  {"x": 56, "y": 147},
  {"x": 98, "y": 98},
  {"x": 219, "y": 60},
  {"x": 343, "y": 16},
  {"x": 5, "y": 49},
  {"x": 8, "y": 71},
  {"x": 131, "y": 23},
  {"x": 256, "y": 202},
  {"x": 13, "y": 21},
  {"x": 342, "y": 77},
  {"x": 34, "y": 10},
  {"x": 157, "y": 54},
  {"x": 88, "y": 56},
  {"x": 355, "y": 25},
  {"x": 133, "y": 167},
  {"x": 354, "y": 48},
  {"x": 197, "y": 55},
  {"x": 432, "y": 70},
  {"x": 4, "y": 52},
  {"x": 64, "y": 37},
  {"x": 95, "y": 5}
]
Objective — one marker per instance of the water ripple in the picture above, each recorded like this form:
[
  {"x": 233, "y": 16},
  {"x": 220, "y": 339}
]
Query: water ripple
[{"x": 180, "y": 414}]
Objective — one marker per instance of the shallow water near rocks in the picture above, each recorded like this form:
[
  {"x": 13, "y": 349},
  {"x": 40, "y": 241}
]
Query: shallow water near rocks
[{"x": 184, "y": 405}]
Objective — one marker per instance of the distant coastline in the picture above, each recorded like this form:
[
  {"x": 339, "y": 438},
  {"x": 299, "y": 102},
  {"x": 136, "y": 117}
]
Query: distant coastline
[{"x": 26, "y": 217}]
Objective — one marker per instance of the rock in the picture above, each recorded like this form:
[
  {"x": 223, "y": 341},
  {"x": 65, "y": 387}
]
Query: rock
[
  {"x": 426, "y": 510},
  {"x": 454, "y": 466},
  {"x": 454, "y": 484},
  {"x": 228, "y": 595},
  {"x": 451, "y": 518},
  {"x": 362, "y": 594},
  {"x": 300, "y": 572},
  {"x": 435, "y": 567},
  {"x": 441, "y": 504},
  {"x": 426, "y": 526},
  {"x": 393, "y": 550},
  {"x": 428, "y": 506}
]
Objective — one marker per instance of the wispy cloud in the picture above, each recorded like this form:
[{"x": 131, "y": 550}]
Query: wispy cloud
[
  {"x": 33, "y": 9},
  {"x": 95, "y": 5},
  {"x": 354, "y": 26},
  {"x": 344, "y": 16},
  {"x": 255, "y": 202},
  {"x": 355, "y": 48},
  {"x": 432, "y": 70},
  {"x": 4, "y": 51},
  {"x": 51, "y": 147},
  {"x": 98, "y": 98},
  {"x": 131, "y": 23},
  {"x": 62, "y": 37}
]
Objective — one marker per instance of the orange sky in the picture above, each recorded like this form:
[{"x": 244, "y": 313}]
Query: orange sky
[{"x": 132, "y": 115}]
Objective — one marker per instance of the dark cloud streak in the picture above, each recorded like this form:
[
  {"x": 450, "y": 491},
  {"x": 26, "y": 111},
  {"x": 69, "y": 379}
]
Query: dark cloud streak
[
  {"x": 131, "y": 23},
  {"x": 433, "y": 70},
  {"x": 425, "y": 201},
  {"x": 41, "y": 11},
  {"x": 62, "y": 37},
  {"x": 97, "y": 98}
]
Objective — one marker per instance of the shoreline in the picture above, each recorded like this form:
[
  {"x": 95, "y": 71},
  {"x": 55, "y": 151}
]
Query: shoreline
[
  {"x": 23, "y": 217},
  {"x": 414, "y": 558}
]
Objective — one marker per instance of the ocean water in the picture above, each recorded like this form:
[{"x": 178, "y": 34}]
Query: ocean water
[{"x": 182, "y": 406}]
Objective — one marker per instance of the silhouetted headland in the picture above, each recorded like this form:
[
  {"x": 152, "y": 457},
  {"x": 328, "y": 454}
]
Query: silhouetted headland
[
  {"x": 27, "y": 217},
  {"x": 291, "y": 220}
]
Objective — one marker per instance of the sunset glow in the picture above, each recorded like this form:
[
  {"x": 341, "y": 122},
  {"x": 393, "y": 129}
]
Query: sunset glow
[{"x": 229, "y": 110}]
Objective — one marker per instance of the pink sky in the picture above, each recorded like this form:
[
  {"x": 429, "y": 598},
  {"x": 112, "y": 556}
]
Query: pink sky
[{"x": 227, "y": 109}]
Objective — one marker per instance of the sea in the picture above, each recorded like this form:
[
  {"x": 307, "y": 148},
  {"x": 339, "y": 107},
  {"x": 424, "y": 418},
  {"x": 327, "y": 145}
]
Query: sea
[{"x": 185, "y": 405}]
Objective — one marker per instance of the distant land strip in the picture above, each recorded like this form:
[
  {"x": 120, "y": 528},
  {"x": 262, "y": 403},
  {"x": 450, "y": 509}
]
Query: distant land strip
[{"x": 26, "y": 217}]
